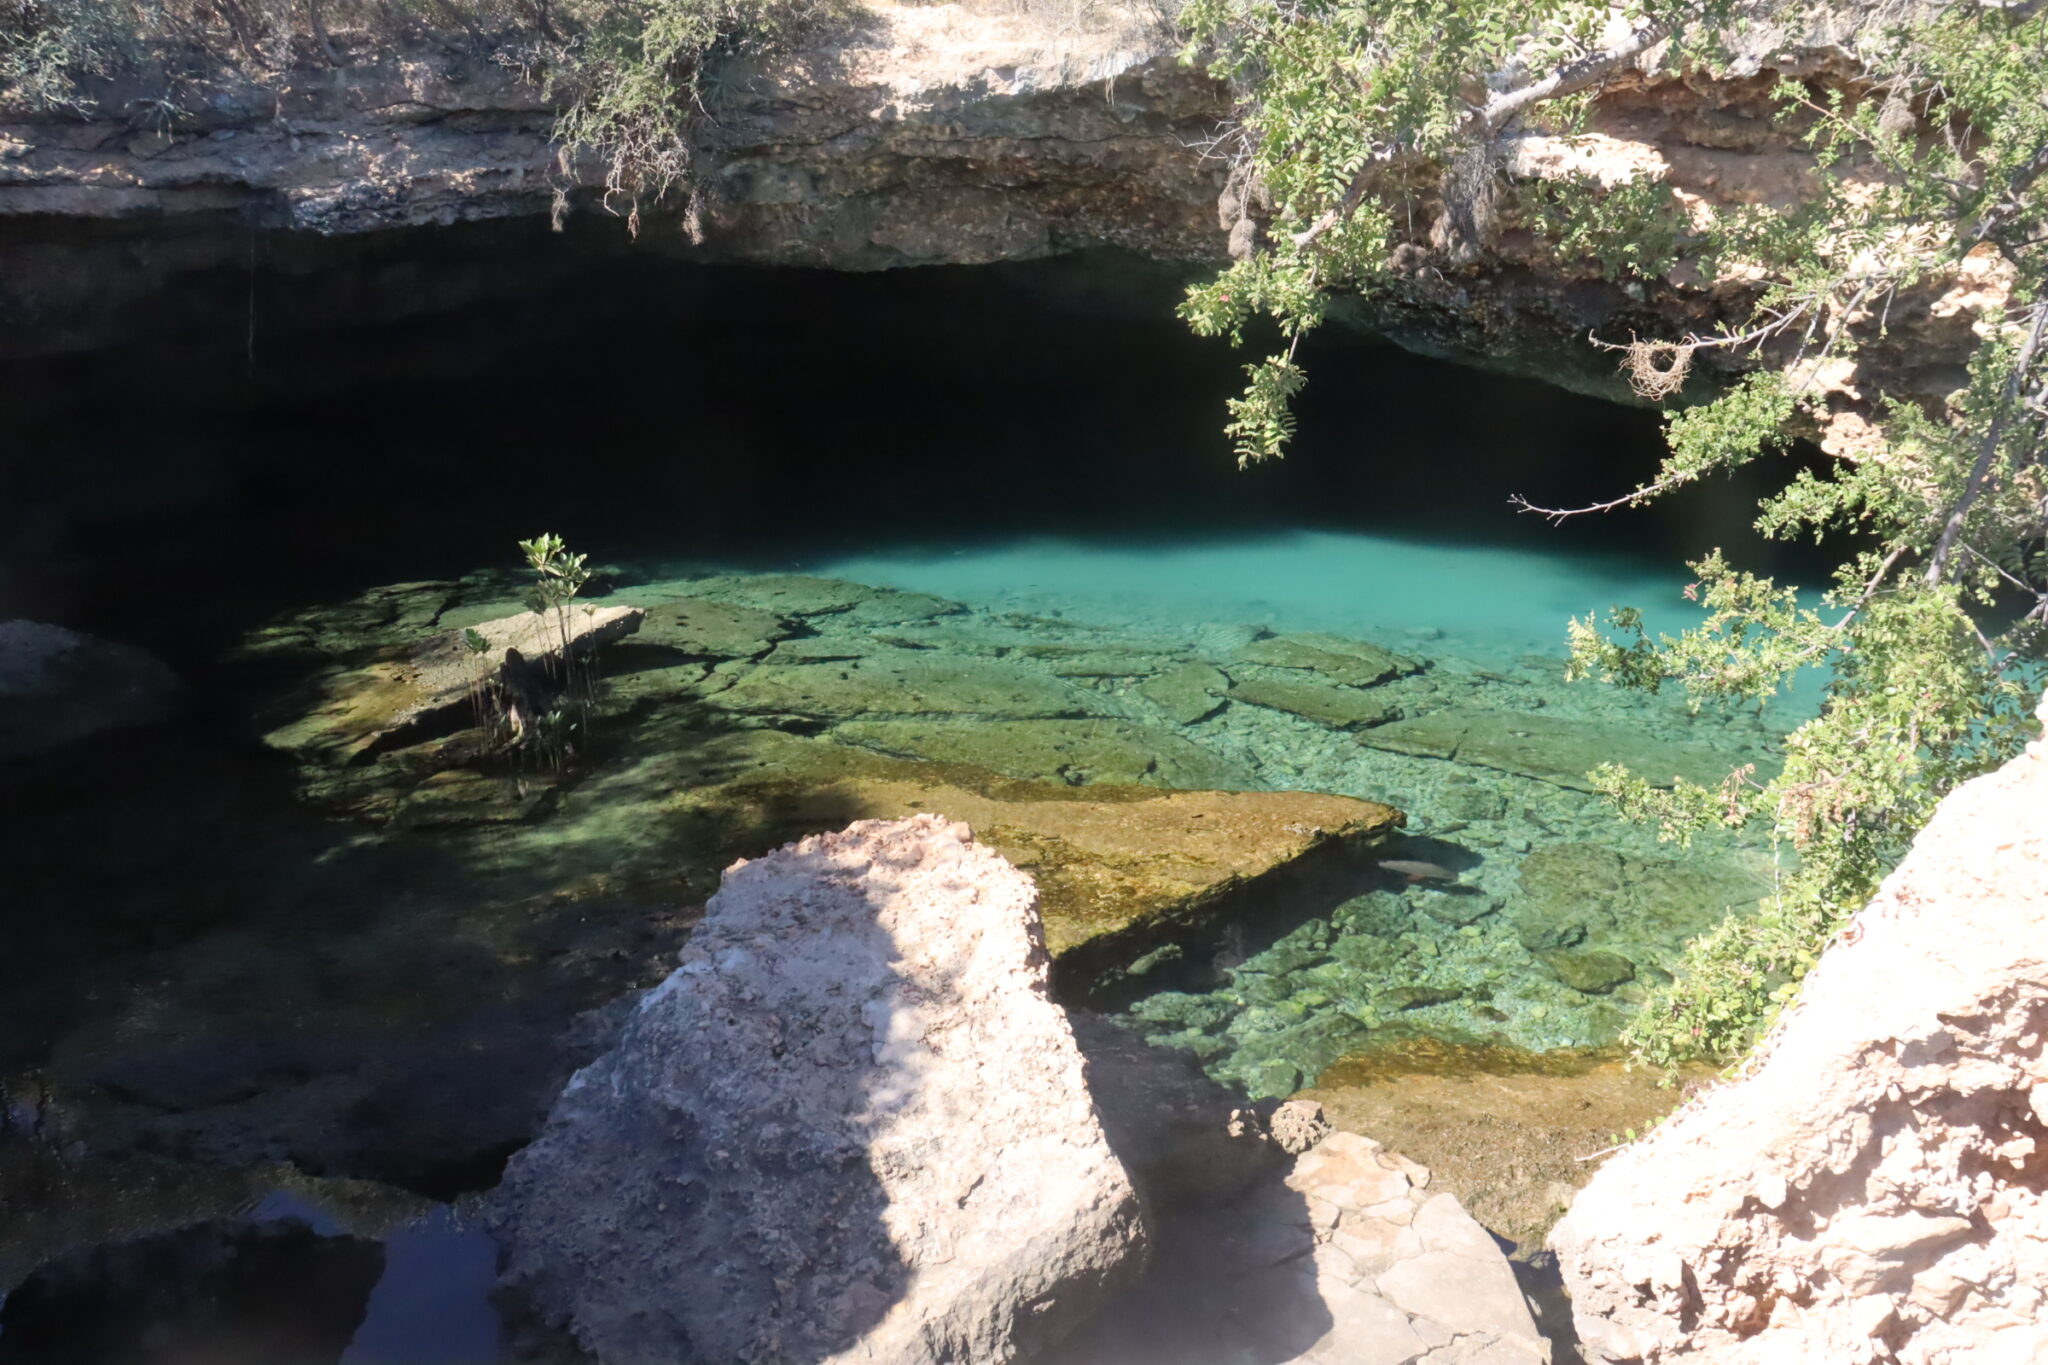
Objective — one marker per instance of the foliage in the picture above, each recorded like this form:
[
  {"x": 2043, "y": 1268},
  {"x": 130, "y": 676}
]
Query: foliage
[
  {"x": 634, "y": 78},
  {"x": 1372, "y": 136},
  {"x": 558, "y": 577},
  {"x": 523, "y": 706}
]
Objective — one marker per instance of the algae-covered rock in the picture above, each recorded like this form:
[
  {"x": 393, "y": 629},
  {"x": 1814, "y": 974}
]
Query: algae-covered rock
[
  {"x": 1459, "y": 908},
  {"x": 1417, "y": 997},
  {"x": 1072, "y": 751},
  {"x": 706, "y": 629},
  {"x": 804, "y": 595},
  {"x": 1340, "y": 708},
  {"x": 1548, "y": 748},
  {"x": 1121, "y": 869},
  {"x": 821, "y": 649},
  {"x": 1187, "y": 694},
  {"x": 1594, "y": 973},
  {"x": 1106, "y": 663},
  {"x": 1355, "y": 663},
  {"x": 907, "y": 683},
  {"x": 1588, "y": 901},
  {"x": 782, "y": 594}
]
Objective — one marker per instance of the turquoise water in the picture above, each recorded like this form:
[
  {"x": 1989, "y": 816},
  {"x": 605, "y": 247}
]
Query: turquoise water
[
  {"x": 1483, "y": 602},
  {"x": 233, "y": 954}
]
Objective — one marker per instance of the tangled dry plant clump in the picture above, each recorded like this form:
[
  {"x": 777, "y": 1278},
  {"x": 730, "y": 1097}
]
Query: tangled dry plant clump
[{"x": 1657, "y": 370}]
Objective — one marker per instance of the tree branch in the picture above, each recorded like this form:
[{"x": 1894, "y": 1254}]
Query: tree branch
[
  {"x": 1987, "y": 453},
  {"x": 1486, "y": 121},
  {"x": 1571, "y": 78}
]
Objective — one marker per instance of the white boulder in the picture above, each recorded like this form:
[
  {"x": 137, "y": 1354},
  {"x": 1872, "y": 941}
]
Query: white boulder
[{"x": 851, "y": 1126}]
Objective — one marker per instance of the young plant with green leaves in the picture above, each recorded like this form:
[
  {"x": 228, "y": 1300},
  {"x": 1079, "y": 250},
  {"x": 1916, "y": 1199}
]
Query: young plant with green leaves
[
  {"x": 1371, "y": 142},
  {"x": 558, "y": 576}
]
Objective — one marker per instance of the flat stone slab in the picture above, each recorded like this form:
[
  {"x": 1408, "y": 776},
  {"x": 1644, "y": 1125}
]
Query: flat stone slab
[
  {"x": 706, "y": 629},
  {"x": 363, "y": 708},
  {"x": 1187, "y": 694},
  {"x": 907, "y": 683},
  {"x": 1340, "y": 708},
  {"x": 1548, "y": 748},
  {"x": 1113, "y": 863},
  {"x": 1345, "y": 1258},
  {"x": 1070, "y": 751},
  {"x": 1355, "y": 663},
  {"x": 804, "y": 595}
]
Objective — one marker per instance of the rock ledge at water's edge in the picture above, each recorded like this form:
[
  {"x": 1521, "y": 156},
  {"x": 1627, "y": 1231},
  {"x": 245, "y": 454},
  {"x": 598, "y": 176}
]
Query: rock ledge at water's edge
[{"x": 1875, "y": 1188}]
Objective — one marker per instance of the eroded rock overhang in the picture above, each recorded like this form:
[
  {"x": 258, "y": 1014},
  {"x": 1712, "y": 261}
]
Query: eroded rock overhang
[{"x": 913, "y": 134}]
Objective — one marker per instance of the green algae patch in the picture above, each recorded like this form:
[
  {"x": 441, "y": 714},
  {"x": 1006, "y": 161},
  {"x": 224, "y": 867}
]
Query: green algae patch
[
  {"x": 1548, "y": 748},
  {"x": 906, "y": 683},
  {"x": 1339, "y": 708},
  {"x": 1071, "y": 751},
  {"x": 1354, "y": 663}
]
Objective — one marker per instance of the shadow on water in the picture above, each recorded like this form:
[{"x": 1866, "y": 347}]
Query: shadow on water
[
  {"x": 287, "y": 1282},
  {"x": 222, "y": 1293}
]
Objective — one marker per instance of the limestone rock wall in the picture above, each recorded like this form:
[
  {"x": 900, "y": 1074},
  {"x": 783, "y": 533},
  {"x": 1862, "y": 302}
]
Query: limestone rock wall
[
  {"x": 1876, "y": 1187},
  {"x": 916, "y": 134}
]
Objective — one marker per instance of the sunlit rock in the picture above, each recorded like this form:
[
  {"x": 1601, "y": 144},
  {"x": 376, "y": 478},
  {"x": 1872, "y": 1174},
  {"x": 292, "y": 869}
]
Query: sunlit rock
[
  {"x": 852, "y": 1125},
  {"x": 1345, "y": 1255},
  {"x": 352, "y": 710},
  {"x": 1873, "y": 1189}
]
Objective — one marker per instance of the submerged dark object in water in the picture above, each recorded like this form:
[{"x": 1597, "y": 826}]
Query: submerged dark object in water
[
  {"x": 525, "y": 692},
  {"x": 225, "y": 1293},
  {"x": 1414, "y": 870}
]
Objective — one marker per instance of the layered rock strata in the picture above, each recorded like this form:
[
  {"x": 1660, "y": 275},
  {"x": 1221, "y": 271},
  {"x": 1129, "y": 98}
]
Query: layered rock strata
[
  {"x": 852, "y": 1125},
  {"x": 918, "y": 134},
  {"x": 1875, "y": 1188}
]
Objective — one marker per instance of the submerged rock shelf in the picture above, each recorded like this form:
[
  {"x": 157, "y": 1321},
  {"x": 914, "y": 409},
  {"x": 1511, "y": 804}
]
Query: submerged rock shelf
[
  {"x": 750, "y": 709},
  {"x": 404, "y": 944}
]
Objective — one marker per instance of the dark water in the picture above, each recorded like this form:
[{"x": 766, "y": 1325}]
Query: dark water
[
  {"x": 1047, "y": 429},
  {"x": 647, "y": 408}
]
